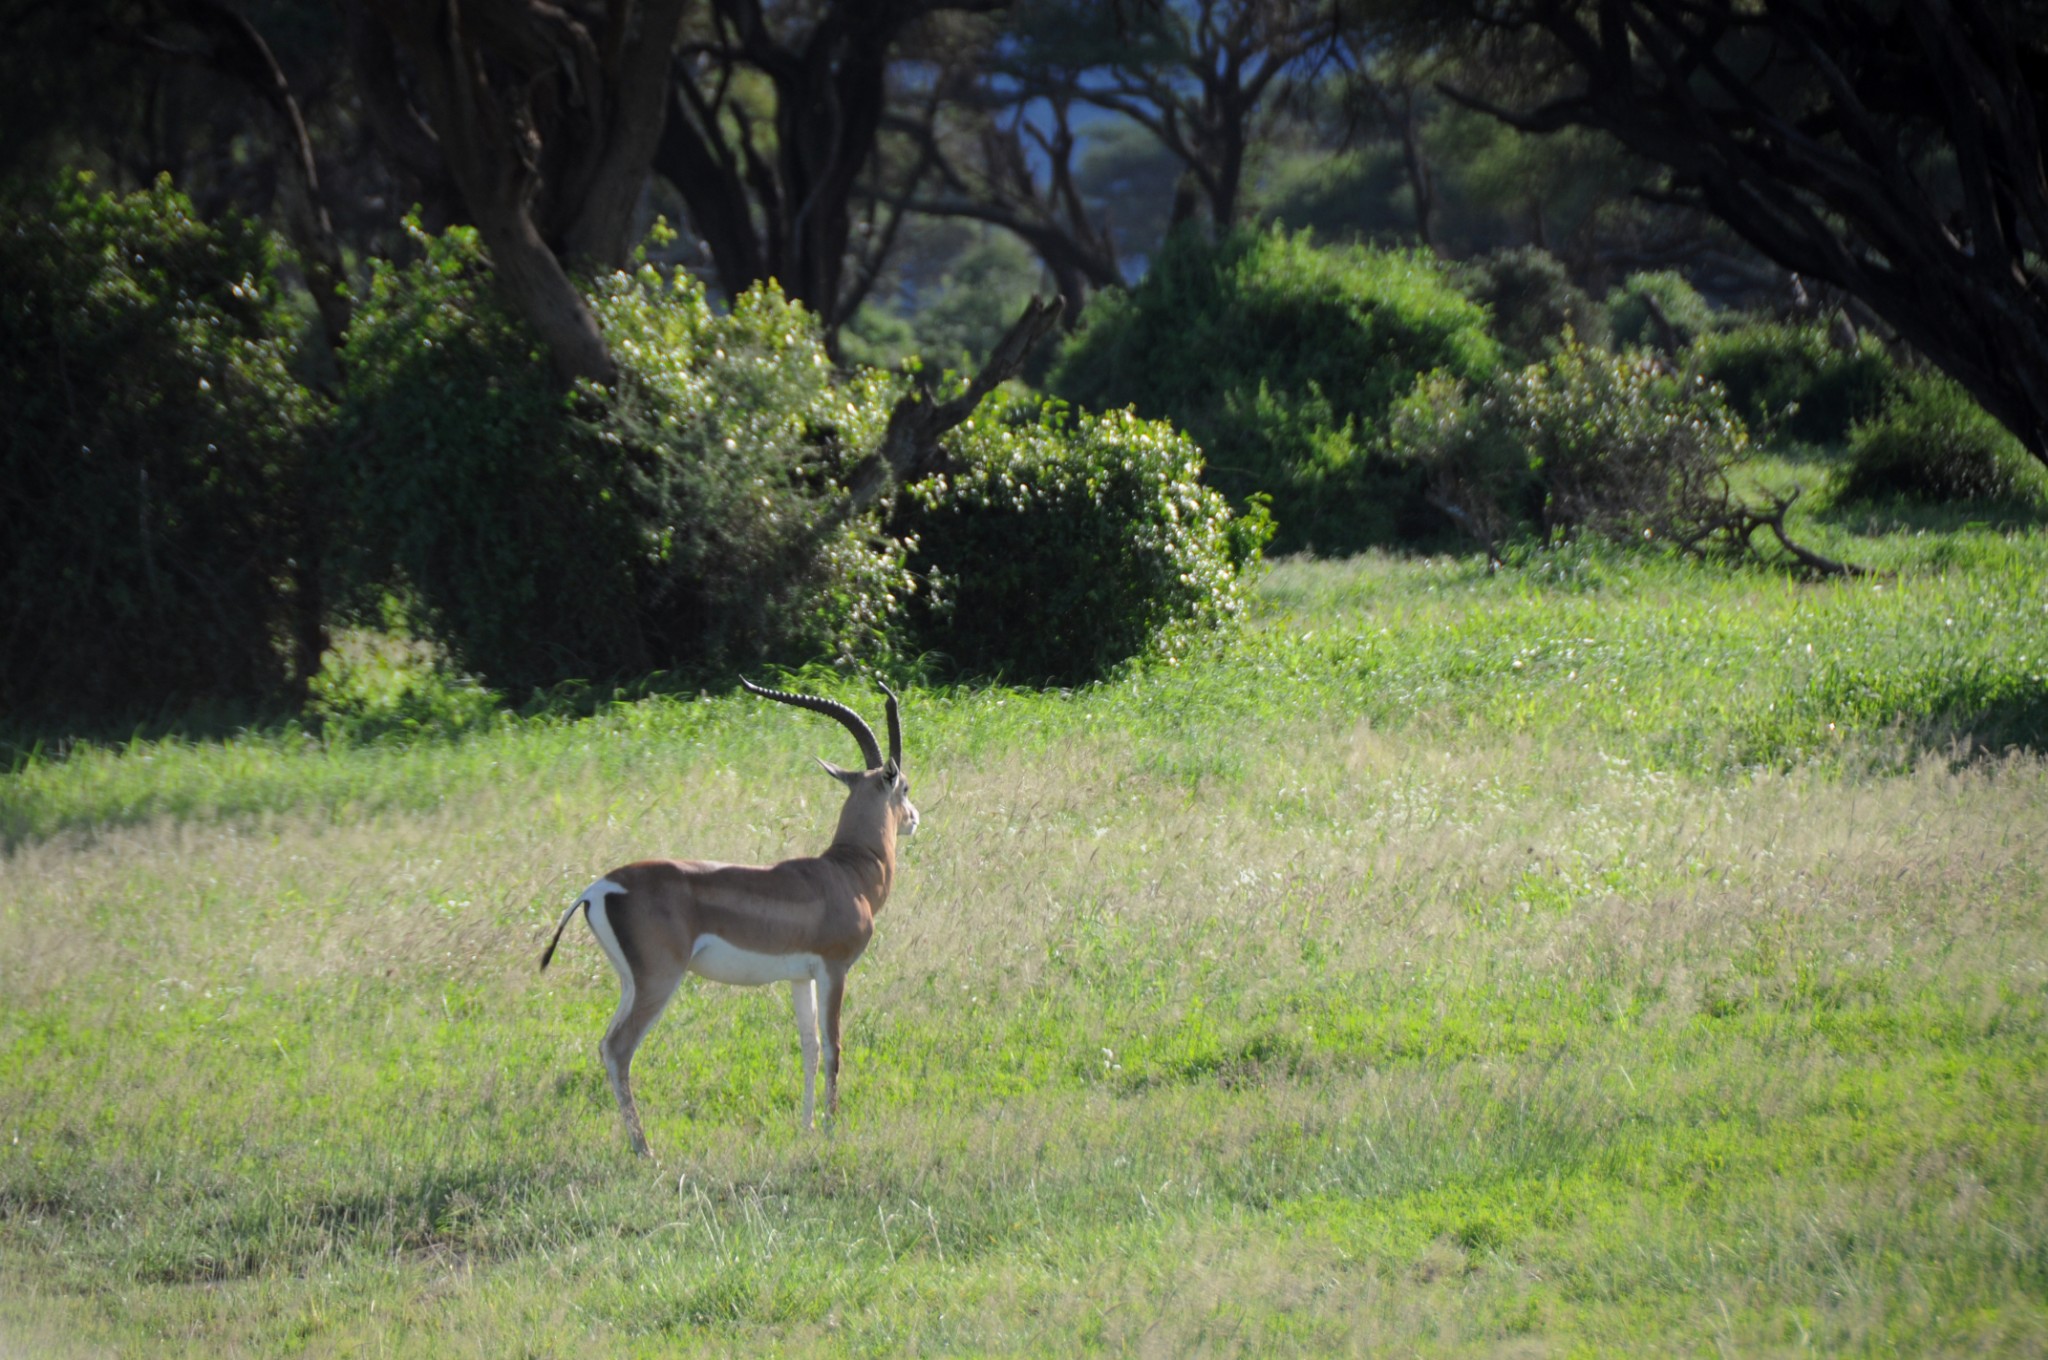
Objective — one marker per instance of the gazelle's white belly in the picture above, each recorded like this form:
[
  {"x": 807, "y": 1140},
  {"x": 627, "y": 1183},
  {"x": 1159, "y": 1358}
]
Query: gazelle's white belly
[{"x": 713, "y": 958}]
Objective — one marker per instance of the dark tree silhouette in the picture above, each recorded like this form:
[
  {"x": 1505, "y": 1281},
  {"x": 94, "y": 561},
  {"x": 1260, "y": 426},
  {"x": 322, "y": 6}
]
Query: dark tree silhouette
[
  {"x": 771, "y": 137},
  {"x": 1890, "y": 149}
]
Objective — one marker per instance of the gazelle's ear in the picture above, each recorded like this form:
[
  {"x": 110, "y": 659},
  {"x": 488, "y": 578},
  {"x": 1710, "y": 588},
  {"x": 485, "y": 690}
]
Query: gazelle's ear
[{"x": 846, "y": 777}]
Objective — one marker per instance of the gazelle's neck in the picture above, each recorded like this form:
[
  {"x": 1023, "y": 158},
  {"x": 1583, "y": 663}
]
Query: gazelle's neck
[{"x": 871, "y": 867}]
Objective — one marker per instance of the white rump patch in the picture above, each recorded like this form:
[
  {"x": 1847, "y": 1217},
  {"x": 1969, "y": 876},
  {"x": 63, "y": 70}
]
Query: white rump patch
[
  {"x": 713, "y": 958},
  {"x": 601, "y": 925},
  {"x": 608, "y": 941}
]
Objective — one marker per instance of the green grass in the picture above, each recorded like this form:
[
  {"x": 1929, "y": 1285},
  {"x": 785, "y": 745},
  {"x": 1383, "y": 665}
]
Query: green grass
[{"x": 1605, "y": 956}]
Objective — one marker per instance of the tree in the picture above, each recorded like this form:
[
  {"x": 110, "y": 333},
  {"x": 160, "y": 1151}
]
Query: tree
[
  {"x": 163, "y": 87},
  {"x": 774, "y": 118},
  {"x": 546, "y": 118},
  {"x": 1199, "y": 75},
  {"x": 1018, "y": 172},
  {"x": 1892, "y": 150}
]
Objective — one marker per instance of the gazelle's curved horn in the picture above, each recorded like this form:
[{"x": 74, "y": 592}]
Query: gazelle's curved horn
[
  {"x": 895, "y": 729},
  {"x": 870, "y": 750}
]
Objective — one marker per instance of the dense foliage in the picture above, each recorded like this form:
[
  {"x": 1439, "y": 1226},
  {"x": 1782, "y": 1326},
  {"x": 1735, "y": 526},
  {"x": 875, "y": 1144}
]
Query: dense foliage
[
  {"x": 155, "y": 548},
  {"x": 1532, "y": 301},
  {"x": 1790, "y": 381},
  {"x": 682, "y": 520},
  {"x": 1278, "y": 356},
  {"x": 1586, "y": 442},
  {"x": 1057, "y": 546},
  {"x": 460, "y": 476},
  {"x": 1933, "y": 442},
  {"x": 695, "y": 516},
  {"x": 1658, "y": 309},
  {"x": 738, "y": 435}
]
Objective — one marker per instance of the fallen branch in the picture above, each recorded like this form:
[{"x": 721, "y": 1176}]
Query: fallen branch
[{"x": 1737, "y": 523}]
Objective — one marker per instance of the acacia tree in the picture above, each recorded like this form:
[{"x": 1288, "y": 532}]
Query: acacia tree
[
  {"x": 1008, "y": 159},
  {"x": 1890, "y": 149},
  {"x": 1200, "y": 76},
  {"x": 545, "y": 117},
  {"x": 1195, "y": 77}
]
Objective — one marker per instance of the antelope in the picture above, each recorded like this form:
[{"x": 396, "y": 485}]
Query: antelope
[{"x": 802, "y": 921}]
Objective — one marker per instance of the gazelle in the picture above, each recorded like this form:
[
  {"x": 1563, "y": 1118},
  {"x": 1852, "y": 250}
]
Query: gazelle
[{"x": 803, "y": 921}]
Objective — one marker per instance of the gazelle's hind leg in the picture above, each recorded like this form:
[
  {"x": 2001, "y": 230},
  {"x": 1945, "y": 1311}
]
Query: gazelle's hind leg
[
  {"x": 642, "y": 998},
  {"x": 803, "y": 995},
  {"x": 636, "y": 1015}
]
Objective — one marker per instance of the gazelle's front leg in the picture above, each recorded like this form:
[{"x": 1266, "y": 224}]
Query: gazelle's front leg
[
  {"x": 831, "y": 997},
  {"x": 803, "y": 995}
]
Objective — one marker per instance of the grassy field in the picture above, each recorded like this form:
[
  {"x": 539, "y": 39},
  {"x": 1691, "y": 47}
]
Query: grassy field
[{"x": 1606, "y": 956}]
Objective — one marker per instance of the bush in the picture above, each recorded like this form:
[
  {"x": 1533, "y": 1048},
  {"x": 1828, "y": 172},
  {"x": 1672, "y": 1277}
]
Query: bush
[
  {"x": 1658, "y": 310},
  {"x": 1279, "y": 357},
  {"x": 1059, "y": 546},
  {"x": 1533, "y": 302},
  {"x": 387, "y": 685},
  {"x": 1621, "y": 445},
  {"x": 740, "y": 436},
  {"x": 154, "y": 544},
  {"x": 1933, "y": 442},
  {"x": 1586, "y": 442},
  {"x": 1792, "y": 381},
  {"x": 684, "y": 520},
  {"x": 464, "y": 481},
  {"x": 1474, "y": 464}
]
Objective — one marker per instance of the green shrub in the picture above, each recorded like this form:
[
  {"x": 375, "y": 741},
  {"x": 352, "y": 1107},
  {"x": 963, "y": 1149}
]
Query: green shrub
[
  {"x": 1279, "y": 358},
  {"x": 464, "y": 481},
  {"x": 1933, "y": 442},
  {"x": 1791, "y": 381},
  {"x": 683, "y": 520},
  {"x": 1621, "y": 445},
  {"x": 1533, "y": 302},
  {"x": 386, "y": 684},
  {"x": 740, "y": 437},
  {"x": 154, "y": 539},
  {"x": 1586, "y": 442},
  {"x": 1474, "y": 464},
  {"x": 956, "y": 318},
  {"x": 1059, "y": 546},
  {"x": 1658, "y": 310}
]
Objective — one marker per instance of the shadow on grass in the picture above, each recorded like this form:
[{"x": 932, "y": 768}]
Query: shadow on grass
[
  {"x": 1901, "y": 515},
  {"x": 2017, "y": 722},
  {"x": 1806, "y": 457},
  {"x": 53, "y": 737},
  {"x": 47, "y": 736}
]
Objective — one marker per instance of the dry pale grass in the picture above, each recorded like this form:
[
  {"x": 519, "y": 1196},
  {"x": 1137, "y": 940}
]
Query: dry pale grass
[
  {"x": 1095, "y": 892},
  {"x": 1348, "y": 848}
]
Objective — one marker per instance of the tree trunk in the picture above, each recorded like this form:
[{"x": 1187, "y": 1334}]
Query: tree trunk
[
  {"x": 601, "y": 231},
  {"x": 778, "y": 202},
  {"x": 547, "y": 128}
]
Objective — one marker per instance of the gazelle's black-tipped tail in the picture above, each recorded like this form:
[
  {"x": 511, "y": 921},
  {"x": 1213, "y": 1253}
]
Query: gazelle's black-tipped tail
[{"x": 549, "y": 953}]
